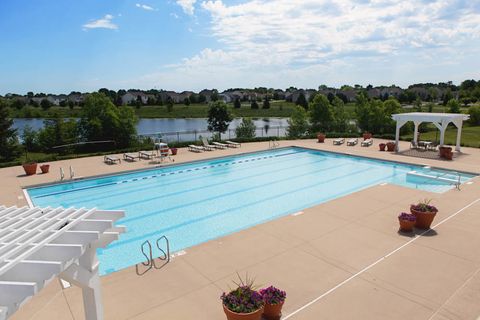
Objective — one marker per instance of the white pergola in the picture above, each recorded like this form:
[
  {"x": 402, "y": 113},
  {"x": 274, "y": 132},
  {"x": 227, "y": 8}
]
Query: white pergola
[
  {"x": 440, "y": 120},
  {"x": 37, "y": 245}
]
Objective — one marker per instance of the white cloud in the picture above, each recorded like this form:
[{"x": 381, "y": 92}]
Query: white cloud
[
  {"x": 174, "y": 15},
  {"x": 144, "y": 7},
  {"x": 188, "y": 6},
  {"x": 102, "y": 23}
]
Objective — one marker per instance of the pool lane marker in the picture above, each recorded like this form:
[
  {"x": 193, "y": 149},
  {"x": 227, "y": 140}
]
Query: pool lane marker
[{"x": 288, "y": 316}]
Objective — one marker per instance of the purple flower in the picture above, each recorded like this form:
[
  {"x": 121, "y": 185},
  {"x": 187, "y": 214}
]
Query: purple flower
[
  {"x": 242, "y": 300},
  {"x": 407, "y": 216},
  {"x": 272, "y": 295}
]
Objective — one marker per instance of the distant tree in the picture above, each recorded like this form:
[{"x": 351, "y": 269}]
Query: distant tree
[
  {"x": 418, "y": 104},
  {"x": 9, "y": 147},
  {"x": 246, "y": 129},
  {"x": 29, "y": 139},
  {"x": 302, "y": 101},
  {"x": 34, "y": 103},
  {"x": 330, "y": 97},
  {"x": 237, "y": 104},
  {"x": 159, "y": 100},
  {"x": 342, "y": 96},
  {"x": 169, "y": 104},
  {"x": 70, "y": 104},
  {"x": 150, "y": 101},
  {"x": 447, "y": 96},
  {"x": 339, "y": 115},
  {"x": 254, "y": 104},
  {"x": 430, "y": 106},
  {"x": 45, "y": 104},
  {"x": 298, "y": 123},
  {"x": 193, "y": 98},
  {"x": 63, "y": 103},
  {"x": 186, "y": 101},
  {"x": 214, "y": 96},
  {"x": 474, "y": 112},
  {"x": 219, "y": 117},
  {"x": 102, "y": 120},
  {"x": 202, "y": 98},
  {"x": 321, "y": 114},
  {"x": 30, "y": 94},
  {"x": 18, "y": 104},
  {"x": 453, "y": 106},
  {"x": 266, "y": 103}
]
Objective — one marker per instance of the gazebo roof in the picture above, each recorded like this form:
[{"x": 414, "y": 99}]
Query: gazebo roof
[
  {"x": 36, "y": 245},
  {"x": 430, "y": 117}
]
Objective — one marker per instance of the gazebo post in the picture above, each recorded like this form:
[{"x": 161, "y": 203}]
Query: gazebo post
[
  {"x": 459, "y": 125},
  {"x": 443, "y": 128},
  {"x": 400, "y": 124},
  {"x": 415, "y": 134}
]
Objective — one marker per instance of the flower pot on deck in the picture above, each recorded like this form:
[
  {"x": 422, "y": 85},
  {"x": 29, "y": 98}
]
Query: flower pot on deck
[
  {"x": 321, "y": 137},
  {"x": 273, "y": 311},
  {"x": 45, "y": 168},
  {"x": 424, "y": 218},
  {"x": 256, "y": 315},
  {"x": 173, "y": 151},
  {"x": 390, "y": 146},
  {"x": 30, "y": 168},
  {"x": 382, "y": 146},
  {"x": 442, "y": 150}
]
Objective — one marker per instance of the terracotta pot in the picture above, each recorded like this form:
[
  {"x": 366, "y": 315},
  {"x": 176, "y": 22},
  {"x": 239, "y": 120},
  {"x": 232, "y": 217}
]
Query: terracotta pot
[
  {"x": 321, "y": 137},
  {"x": 448, "y": 155},
  {"x": 367, "y": 135},
  {"x": 424, "y": 219},
  {"x": 382, "y": 146},
  {"x": 256, "y": 315},
  {"x": 30, "y": 168},
  {"x": 273, "y": 311},
  {"x": 390, "y": 146},
  {"x": 444, "y": 150},
  {"x": 406, "y": 225},
  {"x": 174, "y": 151},
  {"x": 45, "y": 168}
]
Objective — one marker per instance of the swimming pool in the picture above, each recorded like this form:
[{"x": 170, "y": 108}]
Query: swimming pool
[{"x": 196, "y": 202}]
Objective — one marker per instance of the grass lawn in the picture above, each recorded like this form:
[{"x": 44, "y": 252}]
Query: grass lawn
[{"x": 470, "y": 136}]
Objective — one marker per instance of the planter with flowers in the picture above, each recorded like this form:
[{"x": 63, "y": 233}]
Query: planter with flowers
[
  {"x": 382, "y": 146},
  {"x": 425, "y": 213},
  {"x": 274, "y": 299},
  {"x": 45, "y": 168},
  {"x": 174, "y": 151},
  {"x": 321, "y": 137},
  {"x": 407, "y": 221},
  {"x": 390, "y": 146},
  {"x": 243, "y": 303}
]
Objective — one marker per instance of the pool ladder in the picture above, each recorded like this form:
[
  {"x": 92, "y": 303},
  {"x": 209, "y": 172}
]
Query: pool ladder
[
  {"x": 147, "y": 252},
  {"x": 272, "y": 144}
]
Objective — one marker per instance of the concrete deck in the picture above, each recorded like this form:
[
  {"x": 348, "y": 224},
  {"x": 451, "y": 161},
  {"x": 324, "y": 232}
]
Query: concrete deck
[{"x": 343, "y": 259}]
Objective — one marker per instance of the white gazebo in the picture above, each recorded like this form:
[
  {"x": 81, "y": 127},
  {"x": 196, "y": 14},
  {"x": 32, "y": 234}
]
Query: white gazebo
[
  {"x": 440, "y": 120},
  {"x": 37, "y": 245}
]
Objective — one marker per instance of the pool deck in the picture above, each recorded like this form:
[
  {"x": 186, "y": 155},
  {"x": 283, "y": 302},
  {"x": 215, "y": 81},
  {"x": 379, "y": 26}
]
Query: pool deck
[{"x": 343, "y": 259}]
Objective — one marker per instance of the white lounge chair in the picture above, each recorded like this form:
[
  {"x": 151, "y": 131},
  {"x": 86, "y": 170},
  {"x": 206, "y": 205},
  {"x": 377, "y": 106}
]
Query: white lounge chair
[
  {"x": 339, "y": 141},
  {"x": 111, "y": 159},
  {"x": 194, "y": 148},
  {"x": 220, "y": 145},
  {"x": 207, "y": 145},
  {"x": 367, "y": 143},
  {"x": 130, "y": 156},
  {"x": 232, "y": 144},
  {"x": 352, "y": 142},
  {"x": 147, "y": 154}
]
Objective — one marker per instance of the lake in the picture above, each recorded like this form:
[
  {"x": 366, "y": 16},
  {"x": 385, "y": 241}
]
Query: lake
[{"x": 183, "y": 129}]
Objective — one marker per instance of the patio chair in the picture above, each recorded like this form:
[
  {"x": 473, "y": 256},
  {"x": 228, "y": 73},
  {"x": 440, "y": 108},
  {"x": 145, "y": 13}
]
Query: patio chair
[
  {"x": 111, "y": 159},
  {"x": 339, "y": 141},
  {"x": 207, "y": 145},
  {"x": 432, "y": 146},
  {"x": 220, "y": 145},
  {"x": 352, "y": 142},
  {"x": 413, "y": 145},
  {"x": 232, "y": 144},
  {"x": 147, "y": 154},
  {"x": 131, "y": 156},
  {"x": 194, "y": 148},
  {"x": 367, "y": 143}
]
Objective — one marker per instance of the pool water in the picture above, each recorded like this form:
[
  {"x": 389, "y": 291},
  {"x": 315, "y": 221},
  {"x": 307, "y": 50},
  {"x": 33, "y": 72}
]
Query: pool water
[{"x": 196, "y": 202}]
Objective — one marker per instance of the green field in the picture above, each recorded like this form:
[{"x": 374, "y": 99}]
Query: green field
[
  {"x": 470, "y": 136},
  {"x": 277, "y": 109}
]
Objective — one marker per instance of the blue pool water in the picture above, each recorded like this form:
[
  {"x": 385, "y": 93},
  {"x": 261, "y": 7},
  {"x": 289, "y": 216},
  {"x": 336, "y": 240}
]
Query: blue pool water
[{"x": 195, "y": 202}]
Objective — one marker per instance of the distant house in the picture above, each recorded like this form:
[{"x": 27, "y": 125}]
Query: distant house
[
  {"x": 207, "y": 94},
  {"x": 133, "y": 96},
  {"x": 279, "y": 94},
  {"x": 76, "y": 98},
  {"x": 307, "y": 93},
  {"x": 57, "y": 99},
  {"x": 184, "y": 95}
]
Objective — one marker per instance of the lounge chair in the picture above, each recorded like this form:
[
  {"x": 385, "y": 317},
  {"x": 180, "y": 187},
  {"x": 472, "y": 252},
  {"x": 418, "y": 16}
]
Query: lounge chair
[
  {"x": 220, "y": 145},
  {"x": 352, "y": 142},
  {"x": 130, "y": 156},
  {"x": 111, "y": 159},
  {"x": 194, "y": 148},
  {"x": 339, "y": 141},
  {"x": 232, "y": 144},
  {"x": 413, "y": 145},
  {"x": 147, "y": 154},
  {"x": 367, "y": 143},
  {"x": 207, "y": 145}
]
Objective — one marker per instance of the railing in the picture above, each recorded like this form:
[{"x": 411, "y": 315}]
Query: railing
[
  {"x": 147, "y": 252},
  {"x": 196, "y": 135}
]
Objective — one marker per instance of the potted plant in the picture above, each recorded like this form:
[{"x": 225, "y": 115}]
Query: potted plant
[
  {"x": 442, "y": 150},
  {"x": 390, "y": 146},
  {"x": 407, "y": 221},
  {"x": 243, "y": 303},
  {"x": 382, "y": 146},
  {"x": 321, "y": 137},
  {"x": 174, "y": 151},
  {"x": 274, "y": 299},
  {"x": 367, "y": 135},
  {"x": 448, "y": 154},
  {"x": 45, "y": 168},
  {"x": 424, "y": 213}
]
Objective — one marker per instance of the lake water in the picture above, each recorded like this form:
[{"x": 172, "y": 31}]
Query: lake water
[{"x": 190, "y": 128}]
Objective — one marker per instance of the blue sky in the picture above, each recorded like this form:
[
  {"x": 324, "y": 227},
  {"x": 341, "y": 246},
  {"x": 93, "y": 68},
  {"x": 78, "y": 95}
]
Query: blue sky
[{"x": 58, "y": 46}]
